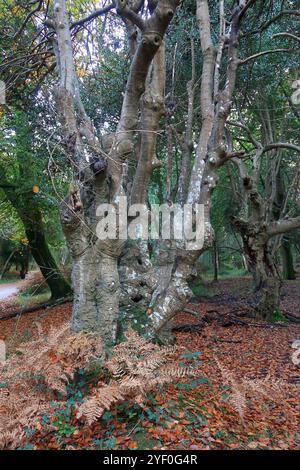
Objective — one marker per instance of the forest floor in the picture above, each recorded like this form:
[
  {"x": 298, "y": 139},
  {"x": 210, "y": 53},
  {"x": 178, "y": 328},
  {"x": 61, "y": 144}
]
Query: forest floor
[
  {"x": 11, "y": 288},
  {"x": 247, "y": 394}
]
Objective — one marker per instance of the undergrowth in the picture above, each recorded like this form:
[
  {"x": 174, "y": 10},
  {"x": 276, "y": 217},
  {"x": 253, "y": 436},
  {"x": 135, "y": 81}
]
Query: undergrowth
[{"x": 63, "y": 375}]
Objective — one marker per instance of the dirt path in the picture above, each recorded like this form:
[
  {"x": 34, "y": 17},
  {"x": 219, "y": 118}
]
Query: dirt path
[
  {"x": 6, "y": 290},
  {"x": 10, "y": 289}
]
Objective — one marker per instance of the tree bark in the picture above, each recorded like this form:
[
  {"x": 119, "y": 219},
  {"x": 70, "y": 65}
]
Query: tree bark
[
  {"x": 39, "y": 248},
  {"x": 95, "y": 274},
  {"x": 287, "y": 260},
  {"x": 31, "y": 217}
]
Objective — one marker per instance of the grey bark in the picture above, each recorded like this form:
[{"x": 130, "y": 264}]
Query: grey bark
[
  {"x": 95, "y": 275},
  {"x": 210, "y": 154}
]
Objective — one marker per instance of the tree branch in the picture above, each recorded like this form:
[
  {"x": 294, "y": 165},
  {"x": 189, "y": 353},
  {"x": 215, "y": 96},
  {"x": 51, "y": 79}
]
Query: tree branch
[
  {"x": 30, "y": 14},
  {"x": 275, "y": 18},
  {"x": 285, "y": 145},
  {"x": 282, "y": 226},
  {"x": 259, "y": 54},
  {"x": 126, "y": 12},
  {"x": 93, "y": 15},
  {"x": 253, "y": 140},
  {"x": 288, "y": 35}
]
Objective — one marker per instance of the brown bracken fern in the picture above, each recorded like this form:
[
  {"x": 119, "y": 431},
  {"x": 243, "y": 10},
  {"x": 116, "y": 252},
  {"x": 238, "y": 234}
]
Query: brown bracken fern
[
  {"x": 267, "y": 389},
  {"x": 136, "y": 368},
  {"x": 35, "y": 380},
  {"x": 33, "y": 377}
]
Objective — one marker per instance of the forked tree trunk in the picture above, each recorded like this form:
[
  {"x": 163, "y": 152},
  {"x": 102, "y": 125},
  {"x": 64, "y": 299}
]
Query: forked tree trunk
[
  {"x": 210, "y": 155},
  {"x": 102, "y": 180}
]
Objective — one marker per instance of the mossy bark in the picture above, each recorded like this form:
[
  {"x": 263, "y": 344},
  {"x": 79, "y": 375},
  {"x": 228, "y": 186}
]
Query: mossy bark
[
  {"x": 42, "y": 255},
  {"x": 288, "y": 271}
]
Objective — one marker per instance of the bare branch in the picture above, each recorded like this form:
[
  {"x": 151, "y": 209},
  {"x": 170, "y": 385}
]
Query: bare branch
[
  {"x": 259, "y": 54},
  {"x": 30, "y": 14},
  {"x": 283, "y": 226},
  {"x": 93, "y": 15},
  {"x": 288, "y": 35},
  {"x": 285, "y": 145},
  {"x": 277, "y": 17},
  {"x": 126, "y": 12},
  {"x": 254, "y": 141}
]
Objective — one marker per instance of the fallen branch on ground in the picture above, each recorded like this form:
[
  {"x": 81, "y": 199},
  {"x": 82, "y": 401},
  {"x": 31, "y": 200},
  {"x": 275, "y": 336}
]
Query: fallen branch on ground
[{"x": 34, "y": 308}]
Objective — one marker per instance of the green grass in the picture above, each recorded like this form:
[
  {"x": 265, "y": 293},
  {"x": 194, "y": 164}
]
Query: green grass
[
  {"x": 10, "y": 277},
  {"x": 27, "y": 301},
  {"x": 33, "y": 295},
  {"x": 228, "y": 272},
  {"x": 277, "y": 316},
  {"x": 201, "y": 290},
  {"x": 203, "y": 287}
]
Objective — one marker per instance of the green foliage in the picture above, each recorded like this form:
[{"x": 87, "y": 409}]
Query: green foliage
[
  {"x": 62, "y": 423},
  {"x": 278, "y": 316},
  {"x": 201, "y": 290}
]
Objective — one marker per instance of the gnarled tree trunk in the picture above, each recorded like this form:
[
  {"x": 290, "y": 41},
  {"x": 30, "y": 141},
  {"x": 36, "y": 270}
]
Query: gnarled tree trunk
[
  {"x": 102, "y": 180},
  {"x": 266, "y": 280}
]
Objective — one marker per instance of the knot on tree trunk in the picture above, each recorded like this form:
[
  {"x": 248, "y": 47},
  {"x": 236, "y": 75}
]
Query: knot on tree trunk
[
  {"x": 71, "y": 210},
  {"x": 153, "y": 101},
  {"x": 151, "y": 39}
]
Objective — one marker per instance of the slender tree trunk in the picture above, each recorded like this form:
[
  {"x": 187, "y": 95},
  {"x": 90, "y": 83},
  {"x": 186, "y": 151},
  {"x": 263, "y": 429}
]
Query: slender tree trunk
[
  {"x": 31, "y": 217},
  {"x": 59, "y": 287},
  {"x": 287, "y": 260},
  {"x": 216, "y": 260}
]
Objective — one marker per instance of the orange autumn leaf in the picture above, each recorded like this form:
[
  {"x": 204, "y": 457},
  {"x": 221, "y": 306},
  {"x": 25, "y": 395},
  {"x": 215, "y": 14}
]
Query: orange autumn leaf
[
  {"x": 120, "y": 440},
  {"x": 38, "y": 426},
  {"x": 53, "y": 357},
  {"x": 133, "y": 445},
  {"x": 178, "y": 429}
]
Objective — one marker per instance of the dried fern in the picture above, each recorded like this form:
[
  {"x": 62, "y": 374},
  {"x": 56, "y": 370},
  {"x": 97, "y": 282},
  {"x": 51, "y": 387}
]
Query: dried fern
[
  {"x": 237, "y": 397},
  {"x": 50, "y": 361},
  {"x": 267, "y": 388},
  {"x": 137, "y": 367}
]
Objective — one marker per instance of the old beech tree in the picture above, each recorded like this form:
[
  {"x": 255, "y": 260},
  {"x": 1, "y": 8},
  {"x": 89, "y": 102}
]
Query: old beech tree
[{"x": 109, "y": 273}]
